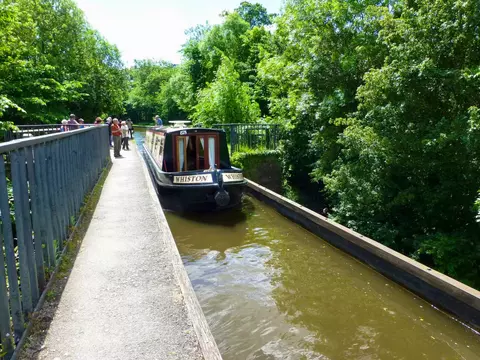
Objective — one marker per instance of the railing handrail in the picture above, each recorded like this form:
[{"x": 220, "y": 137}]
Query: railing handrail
[
  {"x": 248, "y": 124},
  {"x": 19, "y": 143},
  {"x": 52, "y": 125}
]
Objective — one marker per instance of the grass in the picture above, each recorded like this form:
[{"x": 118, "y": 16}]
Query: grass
[{"x": 40, "y": 320}]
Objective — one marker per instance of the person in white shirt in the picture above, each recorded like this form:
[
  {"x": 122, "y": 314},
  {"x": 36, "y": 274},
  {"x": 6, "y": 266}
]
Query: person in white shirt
[{"x": 125, "y": 136}]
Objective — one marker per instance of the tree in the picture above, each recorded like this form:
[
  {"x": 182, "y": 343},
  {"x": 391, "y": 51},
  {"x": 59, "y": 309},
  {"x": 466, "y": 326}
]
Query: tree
[
  {"x": 323, "y": 50},
  {"x": 226, "y": 100},
  {"x": 254, "y": 14},
  {"x": 169, "y": 101},
  {"x": 50, "y": 70},
  {"x": 408, "y": 172},
  {"x": 145, "y": 98},
  {"x": 206, "y": 46},
  {"x": 182, "y": 90}
]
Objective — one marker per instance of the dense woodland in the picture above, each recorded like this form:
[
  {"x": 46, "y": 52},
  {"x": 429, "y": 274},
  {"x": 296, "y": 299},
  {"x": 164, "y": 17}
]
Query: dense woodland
[
  {"x": 379, "y": 101},
  {"x": 53, "y": 63}
]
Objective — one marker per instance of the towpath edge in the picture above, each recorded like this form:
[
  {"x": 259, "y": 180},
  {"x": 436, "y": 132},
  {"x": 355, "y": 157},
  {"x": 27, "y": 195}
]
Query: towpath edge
[{"x": 128, "y": 295}]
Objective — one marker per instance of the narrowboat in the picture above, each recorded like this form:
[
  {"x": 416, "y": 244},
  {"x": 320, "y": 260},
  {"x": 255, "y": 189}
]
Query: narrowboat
[{"x": 191, "y": 168}]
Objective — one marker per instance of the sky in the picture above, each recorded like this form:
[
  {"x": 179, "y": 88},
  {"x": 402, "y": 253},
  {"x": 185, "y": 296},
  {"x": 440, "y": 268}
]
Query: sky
[{"x": 155, "y": 29}]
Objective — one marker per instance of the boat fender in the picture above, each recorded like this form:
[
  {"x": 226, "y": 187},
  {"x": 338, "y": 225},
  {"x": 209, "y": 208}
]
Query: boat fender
[{"x": 222, "y": 198}]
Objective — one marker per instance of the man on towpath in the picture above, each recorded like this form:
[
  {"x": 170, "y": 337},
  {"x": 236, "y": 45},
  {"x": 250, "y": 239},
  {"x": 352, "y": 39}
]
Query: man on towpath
[
  {"x": 117, "y": 138},
  {"x": 158, "y": 121}
]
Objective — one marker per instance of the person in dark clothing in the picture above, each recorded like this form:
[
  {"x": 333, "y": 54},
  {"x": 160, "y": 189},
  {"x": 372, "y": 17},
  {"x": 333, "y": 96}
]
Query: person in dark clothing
[{"x": 110, "y": 137}]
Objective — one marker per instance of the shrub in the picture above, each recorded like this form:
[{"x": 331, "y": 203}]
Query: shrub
[{"x": 261, "y": 166}]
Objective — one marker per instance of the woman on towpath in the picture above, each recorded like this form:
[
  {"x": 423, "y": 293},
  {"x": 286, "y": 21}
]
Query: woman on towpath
[{"x": 117, "y": 138}]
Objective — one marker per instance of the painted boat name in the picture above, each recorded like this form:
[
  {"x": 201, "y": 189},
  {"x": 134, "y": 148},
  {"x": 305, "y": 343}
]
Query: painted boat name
[
  {"x": 193, "y": 179},
  {"x": 231, "y": 177}
]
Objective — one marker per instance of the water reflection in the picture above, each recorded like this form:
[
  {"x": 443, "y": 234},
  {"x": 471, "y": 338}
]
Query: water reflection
[
  {"x": 196, "y": 229},
  {"x": 271, "y": 290}
]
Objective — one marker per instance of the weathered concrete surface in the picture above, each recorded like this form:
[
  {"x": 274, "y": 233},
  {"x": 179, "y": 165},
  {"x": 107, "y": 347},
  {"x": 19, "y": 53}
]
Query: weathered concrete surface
[{"x": 122, "y": 300}]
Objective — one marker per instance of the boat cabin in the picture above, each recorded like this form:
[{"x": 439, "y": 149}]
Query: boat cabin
[
  {"x": 191, "y": 167},
  {"x": 188, "y": 149}
]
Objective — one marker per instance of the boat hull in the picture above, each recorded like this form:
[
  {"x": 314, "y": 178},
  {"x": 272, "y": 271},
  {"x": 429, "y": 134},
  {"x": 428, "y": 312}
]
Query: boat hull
[{"x": 198, "y": 198}]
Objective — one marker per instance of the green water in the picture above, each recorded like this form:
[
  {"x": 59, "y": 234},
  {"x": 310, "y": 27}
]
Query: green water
[{"x": 272, "y": 290}]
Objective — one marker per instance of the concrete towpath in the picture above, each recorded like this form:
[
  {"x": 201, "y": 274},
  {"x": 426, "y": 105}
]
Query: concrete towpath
[{"x": 123, "y": 299}]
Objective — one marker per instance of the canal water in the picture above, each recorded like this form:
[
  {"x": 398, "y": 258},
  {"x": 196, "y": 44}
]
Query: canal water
[{"x": 272, "y": 290}]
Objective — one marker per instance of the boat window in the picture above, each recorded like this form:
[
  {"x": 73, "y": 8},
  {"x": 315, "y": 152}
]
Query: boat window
[
  {"x": 201, "y": 153},
  {"x": 211, "y": 151},
  {"x": 198, "y": 152},
  {"x": 158, "y": 155},
  {"x": 181, "y": 153}
]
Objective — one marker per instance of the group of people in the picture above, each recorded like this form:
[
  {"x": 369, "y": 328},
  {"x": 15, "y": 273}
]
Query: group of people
[
  {"x": 119, "y": 131},
  {"x": 119, "y": 134},
  {"x": 72, "y": 124}
]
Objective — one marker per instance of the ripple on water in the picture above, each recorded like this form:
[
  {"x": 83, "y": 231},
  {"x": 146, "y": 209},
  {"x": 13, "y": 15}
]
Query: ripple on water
[
  {"x": 271, "y": 290},
  {"x": 320, "y": 303}
]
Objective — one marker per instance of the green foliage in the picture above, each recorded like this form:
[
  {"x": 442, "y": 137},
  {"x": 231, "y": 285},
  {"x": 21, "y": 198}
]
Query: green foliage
[
  {"x": 179, "y": 92},
  {"x": 379, "y": 99},
  {"x": 53, "y": 63},
  {"x": 152, "y": 92},
  {"x": 408, "y": 173},
  {"x": 235, "y": 39},
  {"x": 7, "y": 125},
  {"x": 323, "y": 49},
  {"x": 253, "y": 156},
  {"x": 254, "y": 14},
  {"x": 261, "y": 166},
  {"x": 182, "y": 90},
  {"x": 453, "y": 254},
  {"x": 226, "y": 100},
  {"x": 5, "y": 104}
]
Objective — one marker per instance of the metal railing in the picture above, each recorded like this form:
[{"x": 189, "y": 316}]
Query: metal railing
[
  {"x": 38, "y": 130},
  {"x": 251, "y": 135},
  {"x": 43, "y": 183}
]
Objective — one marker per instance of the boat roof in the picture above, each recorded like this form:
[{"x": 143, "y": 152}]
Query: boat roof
[{"x": 189, "y": 130}]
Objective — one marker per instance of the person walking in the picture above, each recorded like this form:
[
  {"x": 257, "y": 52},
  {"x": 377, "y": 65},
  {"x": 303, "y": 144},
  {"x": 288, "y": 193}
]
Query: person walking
[
  {"x": 81, "y": 123},
  {"x": 117, "y": 137},
  {"x": 98, "y": 121},
  {"x": 158, "y": 121},
  {"x": 130, "y": 127},
  {"x": 125, "y": 136}
]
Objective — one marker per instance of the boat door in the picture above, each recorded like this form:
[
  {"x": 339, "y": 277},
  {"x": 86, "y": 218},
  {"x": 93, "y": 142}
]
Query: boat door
[{"x": 196, "y": 152}]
